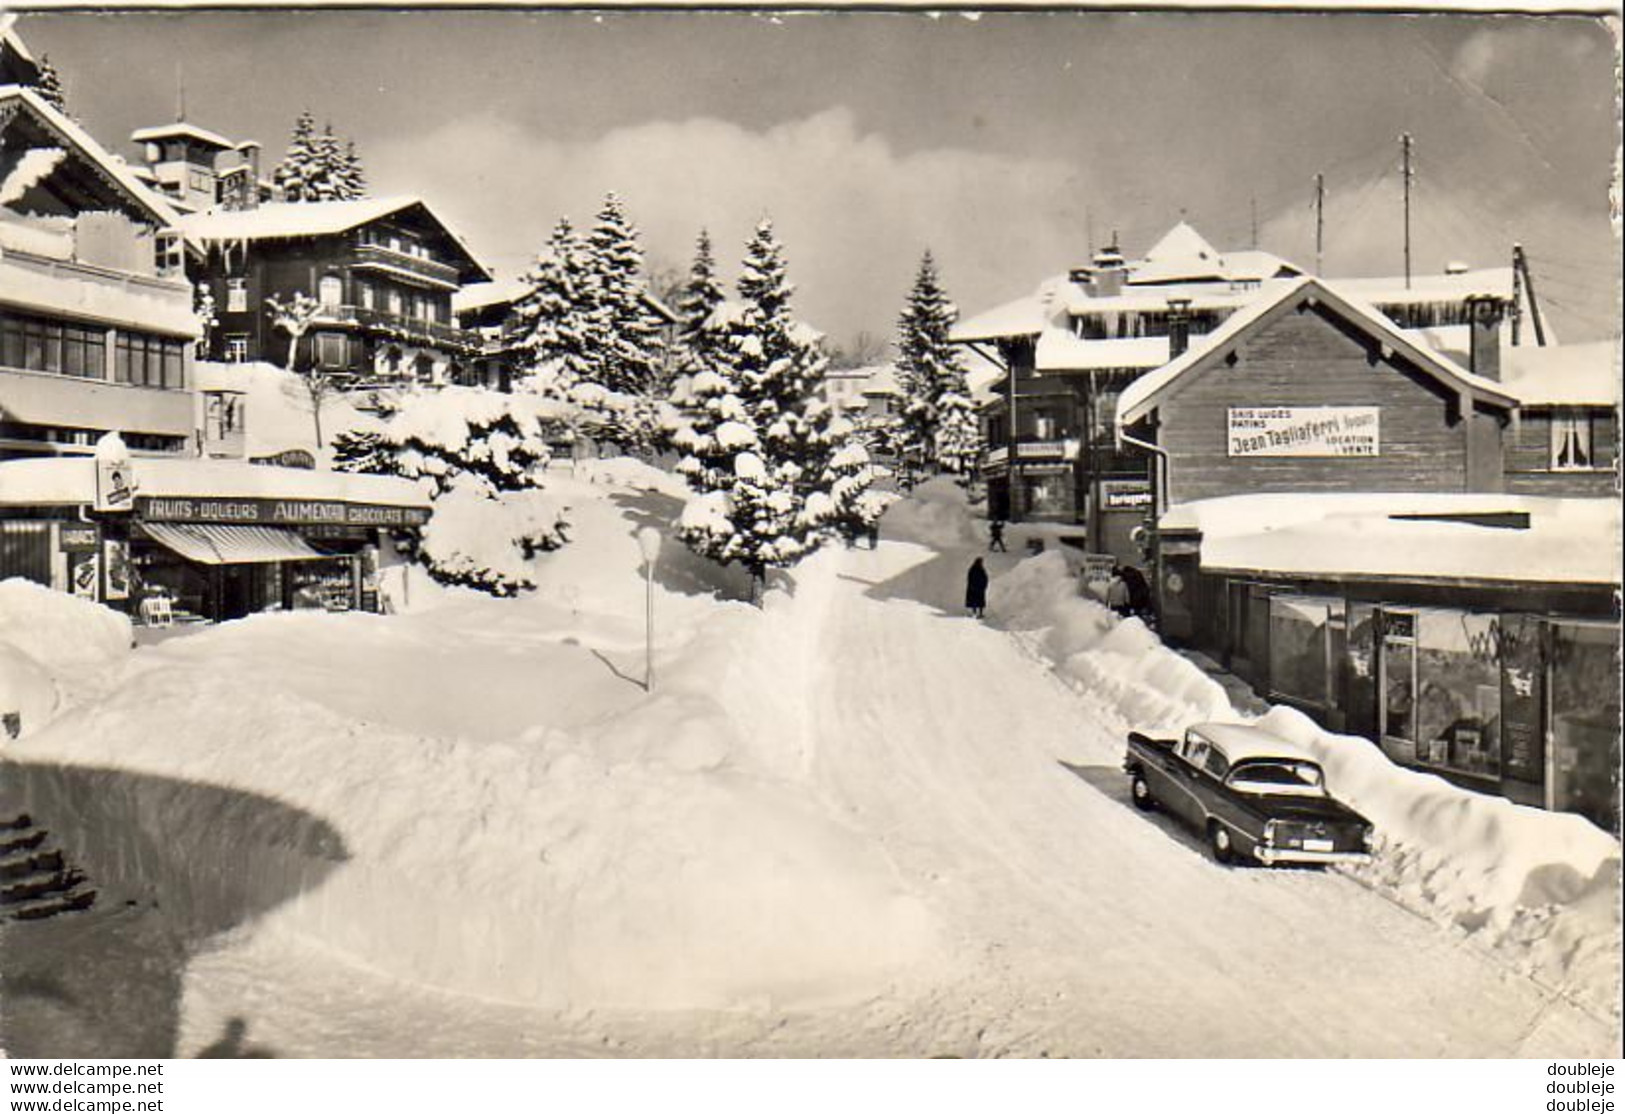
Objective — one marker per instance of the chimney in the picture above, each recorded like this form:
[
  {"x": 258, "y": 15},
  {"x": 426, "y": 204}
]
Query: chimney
[
  {"x": 1107, "y": 271},
  {"x": 1484, "y": 312},
  {"x": 1179, "y": 327},
  {"x": 249, "y": 153}
]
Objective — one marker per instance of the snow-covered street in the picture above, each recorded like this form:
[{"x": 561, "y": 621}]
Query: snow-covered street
[{"x": 854, "y": 823}]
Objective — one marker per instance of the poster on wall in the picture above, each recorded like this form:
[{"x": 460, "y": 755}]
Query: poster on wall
[
  {"x": 86, "y": 576},
  {"x": 1523, "y": 747},
  {"x": 1328, "y": 431}
]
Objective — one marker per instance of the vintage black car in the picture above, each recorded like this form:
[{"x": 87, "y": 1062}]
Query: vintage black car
[{"x": 1254, "y": 795}]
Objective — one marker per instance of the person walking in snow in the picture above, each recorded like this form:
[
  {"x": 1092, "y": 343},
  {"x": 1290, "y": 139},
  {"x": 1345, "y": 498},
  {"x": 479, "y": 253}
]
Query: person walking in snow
[
  {"x": 1139, "y": 591},
  {"x": 976, "y": 589},
  {"x": 995, "y": 536},
  {"x": 1117, "y": 596}
]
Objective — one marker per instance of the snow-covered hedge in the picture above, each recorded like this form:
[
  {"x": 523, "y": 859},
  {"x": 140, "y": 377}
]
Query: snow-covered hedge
[{"x": 483, "y": 540}]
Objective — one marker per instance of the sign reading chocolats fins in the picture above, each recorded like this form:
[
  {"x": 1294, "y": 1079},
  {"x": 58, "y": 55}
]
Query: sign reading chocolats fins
[{"x": 277, "y": 512}]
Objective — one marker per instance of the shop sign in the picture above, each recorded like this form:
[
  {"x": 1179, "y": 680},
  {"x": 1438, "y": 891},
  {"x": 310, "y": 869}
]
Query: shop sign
[
  {"x": 75, "y": 537},
  {"x": 279, "y": 512},
  {"x": 115, "y": 479},
  {"x": 1324, "y": 431},
  {"x": 1125, "y": 495}
]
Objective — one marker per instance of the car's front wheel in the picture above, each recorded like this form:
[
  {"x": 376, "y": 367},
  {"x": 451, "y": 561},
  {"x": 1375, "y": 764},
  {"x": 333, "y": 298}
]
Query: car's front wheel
[
  {"x": 1141, "y": 792},
  {"x": 1220, "y": 843}
]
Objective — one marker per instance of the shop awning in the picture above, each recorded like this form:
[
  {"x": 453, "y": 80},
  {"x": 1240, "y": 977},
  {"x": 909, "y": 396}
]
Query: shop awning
[{"x": 231, "y": 545}]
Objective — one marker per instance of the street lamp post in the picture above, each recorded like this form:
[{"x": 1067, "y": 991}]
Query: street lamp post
[{"x": 649, "y": 545}]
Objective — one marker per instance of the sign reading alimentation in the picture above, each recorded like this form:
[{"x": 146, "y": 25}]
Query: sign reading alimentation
[
  {"x": 1304, "y": 431},
  {"x": 278, "y": 512}
]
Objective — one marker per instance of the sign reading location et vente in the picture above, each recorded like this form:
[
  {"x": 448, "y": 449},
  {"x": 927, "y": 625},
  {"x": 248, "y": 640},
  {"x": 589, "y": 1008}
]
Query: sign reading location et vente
[{"x": 1304, "y": 431}]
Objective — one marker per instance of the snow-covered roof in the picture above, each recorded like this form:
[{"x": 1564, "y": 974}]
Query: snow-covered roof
[
  {"x": 1254, "y": 265},
  {"x": 1495, "y": 282},
  {"x": 1023, "y": 317},
  {"x": 1563, "y": 374},
  {"x": 1155, "y": 299},
  {"x": 47, "y": 481},
  {"x": 881, "y": 380},
  {"x": 497, "y": 292},
  {"x": 1060, "y": 350},
  {"x": 1142, "y": 396},
  {"x": 1357, "y": 535},
  {"x": 291, "y": 220},
  {"x": 1181, "y": 254},
  {"x": 70, "y": 134},
  {"x": 182, "y": 130}
]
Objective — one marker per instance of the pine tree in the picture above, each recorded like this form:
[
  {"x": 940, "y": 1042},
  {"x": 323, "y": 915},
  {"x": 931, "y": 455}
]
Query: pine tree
[
  {"x": 352, "y": 176},
  {"x": 702, "y": 338},
  {"x": 623, "y": 331},
  {"x": 49, "y": 86},
  {"x": 762, "y": 471},
  {"x": 299, "y": 171},
  {"x": 937, "y": 431},
  {"x": 329, "y": 183}
]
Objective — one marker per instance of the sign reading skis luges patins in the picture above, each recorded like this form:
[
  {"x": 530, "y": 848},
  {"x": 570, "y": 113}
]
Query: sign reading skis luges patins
[
  {"x": 277, "y": 512},
  {"x": 1304, "y": 431}
]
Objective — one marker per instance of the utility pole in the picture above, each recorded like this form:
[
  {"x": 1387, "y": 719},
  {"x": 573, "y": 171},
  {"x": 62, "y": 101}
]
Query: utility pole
[
  {"x": 1320, "y": 220},
  {"x": 1405, "y": 147},
  {"x": 1254, "y": 207},
  {"x": 1521, "y": 263},
  {"x": 1517, "y": 295}
]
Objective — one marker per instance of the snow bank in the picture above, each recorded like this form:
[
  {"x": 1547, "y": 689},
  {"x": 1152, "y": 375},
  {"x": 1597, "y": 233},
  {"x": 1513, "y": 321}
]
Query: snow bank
[
  {"x": 935, "y": 514},
  {"x": 61, "y": 632},
  {"x": 1143, "y": 682},
  {"x": 52, "y": 643},
  {"x": 1540, "y": 888}
]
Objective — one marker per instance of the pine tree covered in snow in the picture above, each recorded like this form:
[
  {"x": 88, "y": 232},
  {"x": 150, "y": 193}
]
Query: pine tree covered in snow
[
  {"x": 704, "y": 338},
  {"x": 351, "y": 175},
  {"x": 49, "y": 86},
  {"x": 554, "y": 333},
  {"x": 624, "y": 333},
  {"x": 319, "y": 167},
  {"x": 938, "y": 430},
  {"x": 848, "y": 477},
  {"x": 761, "y": 447},
  {"x": 300, "y": 168}
]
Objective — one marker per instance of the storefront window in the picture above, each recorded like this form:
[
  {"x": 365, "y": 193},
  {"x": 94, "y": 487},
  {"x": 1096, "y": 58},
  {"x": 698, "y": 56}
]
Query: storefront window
[
  {"x": 1048, "y": 494},
  {"x": 1585, "y": 707},
  {"x": 1459, "y": 692},
  {"x": 1300, "y": 648},
  {"x": 1398, "y": 676}
]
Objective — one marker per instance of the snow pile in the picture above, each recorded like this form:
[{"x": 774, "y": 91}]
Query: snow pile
[
  {"x": 1143, "y": 682},
  {"x": 935, "y": 514},
  {"x": 1541, "y": 888},
  {"x": 62, "y": 632},
  {"x": 51, "y": 643}
]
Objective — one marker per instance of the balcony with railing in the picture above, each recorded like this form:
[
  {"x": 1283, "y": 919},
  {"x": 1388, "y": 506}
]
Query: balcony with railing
[
  {"x": 403, "y": 265},
  {"x": 395, "y": 326}
]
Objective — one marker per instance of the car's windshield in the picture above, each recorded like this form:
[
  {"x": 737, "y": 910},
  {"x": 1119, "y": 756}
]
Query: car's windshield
[{"x": 1283, "y": 778}]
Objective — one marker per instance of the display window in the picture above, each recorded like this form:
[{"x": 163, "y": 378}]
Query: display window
[
  {"x": 1584, "y": 718},
  {"x": 1458, "y": 694}
]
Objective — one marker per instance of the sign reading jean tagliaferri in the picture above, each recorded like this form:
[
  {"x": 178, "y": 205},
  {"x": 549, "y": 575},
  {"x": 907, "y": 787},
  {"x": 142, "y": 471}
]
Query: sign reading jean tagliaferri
[{"x": 1304, "y": 431}]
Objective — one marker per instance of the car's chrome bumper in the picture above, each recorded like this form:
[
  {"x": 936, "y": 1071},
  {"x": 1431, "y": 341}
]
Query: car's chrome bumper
[{"x": 1272, "y": 855}]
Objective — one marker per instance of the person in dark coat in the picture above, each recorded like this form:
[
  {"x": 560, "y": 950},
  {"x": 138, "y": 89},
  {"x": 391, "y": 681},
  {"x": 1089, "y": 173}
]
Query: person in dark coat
[
  {"x": 976, "y": 589},
  {"x": 995, "y": 536},
  {"x": 1139, "y": 591}
]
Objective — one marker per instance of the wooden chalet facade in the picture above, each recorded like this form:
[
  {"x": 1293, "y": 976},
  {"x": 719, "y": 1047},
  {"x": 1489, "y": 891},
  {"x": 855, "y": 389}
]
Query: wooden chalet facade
[
  {"x": 383, "y": 272},
  {"x": 1403, "y": 546}
]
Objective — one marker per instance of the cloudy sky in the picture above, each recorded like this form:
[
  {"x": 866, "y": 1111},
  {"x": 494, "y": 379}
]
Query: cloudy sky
[{"x": 1006, "y": 144}]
